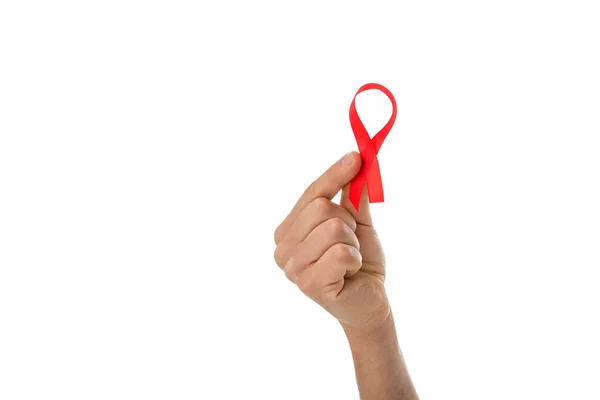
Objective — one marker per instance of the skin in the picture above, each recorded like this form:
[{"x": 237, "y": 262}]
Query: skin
[{"x": 332, "y": 253}]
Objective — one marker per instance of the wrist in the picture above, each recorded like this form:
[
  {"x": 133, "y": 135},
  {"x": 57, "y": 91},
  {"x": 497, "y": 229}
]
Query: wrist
[
  {"x": 380, "y": 369},
  {"x": 377, "y": 321},
  {"x": 380, "y": 331}
]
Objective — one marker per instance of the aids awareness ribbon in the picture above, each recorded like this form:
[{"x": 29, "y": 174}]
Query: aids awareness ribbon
[{"x": 368, "y": 148}]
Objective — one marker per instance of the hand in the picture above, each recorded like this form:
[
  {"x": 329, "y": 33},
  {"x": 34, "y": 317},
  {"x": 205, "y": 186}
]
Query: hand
[{"x": 332, "y": 253}]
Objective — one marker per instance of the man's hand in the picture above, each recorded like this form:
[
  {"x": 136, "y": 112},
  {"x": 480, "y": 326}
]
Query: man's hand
[{"x": 331, "y": 252}]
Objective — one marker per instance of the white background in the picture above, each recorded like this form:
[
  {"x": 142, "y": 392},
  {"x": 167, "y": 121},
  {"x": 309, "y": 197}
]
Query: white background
[{"x": 148, "y": 150}]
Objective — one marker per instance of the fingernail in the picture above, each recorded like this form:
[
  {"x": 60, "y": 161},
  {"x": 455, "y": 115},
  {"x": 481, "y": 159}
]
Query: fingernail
[{"x": 347, "y": 160}]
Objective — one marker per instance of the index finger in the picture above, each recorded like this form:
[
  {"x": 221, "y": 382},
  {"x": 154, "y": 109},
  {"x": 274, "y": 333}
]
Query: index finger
[{"x": 327, "y": 185}]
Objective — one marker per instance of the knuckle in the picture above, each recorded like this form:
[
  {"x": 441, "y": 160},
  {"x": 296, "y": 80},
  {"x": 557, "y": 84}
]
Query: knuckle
[
  {"x": 290, "y": 270},
  {"x": 283, "y": 254},
  {"x": 277, "y": 255},
  {"x": 278, "y": 234},
  {"x": 281, "y": 231},
  {"x": 321, "y": 205},
  {"x": 355, "y": 257},
  {"x": 306, "y": 284},
  {"x": 336, "y": 226},
  {"x": 311, "y": 190},
  {"x": 342, "y": 252}
]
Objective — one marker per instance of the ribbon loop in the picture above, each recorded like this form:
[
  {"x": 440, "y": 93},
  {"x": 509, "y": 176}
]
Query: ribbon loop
[{"x": 369, "y": 148}]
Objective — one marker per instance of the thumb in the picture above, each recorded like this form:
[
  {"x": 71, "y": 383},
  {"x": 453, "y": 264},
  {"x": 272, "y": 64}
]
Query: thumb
[{"x": 363, "y": 216}]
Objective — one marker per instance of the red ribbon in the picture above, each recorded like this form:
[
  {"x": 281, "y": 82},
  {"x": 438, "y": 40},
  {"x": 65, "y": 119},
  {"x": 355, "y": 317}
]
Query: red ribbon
[{"x": 369, "y": 171}]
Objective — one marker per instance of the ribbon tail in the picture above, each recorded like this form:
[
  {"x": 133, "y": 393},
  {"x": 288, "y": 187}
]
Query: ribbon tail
[
  {"x": 356, "y": 188},
  {"x": 374, "y": 183}
]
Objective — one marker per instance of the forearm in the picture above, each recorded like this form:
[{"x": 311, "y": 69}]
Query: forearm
[{"x": 381, "y": 373}]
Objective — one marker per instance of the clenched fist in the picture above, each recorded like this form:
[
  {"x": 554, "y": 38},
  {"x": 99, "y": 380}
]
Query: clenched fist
[{"x": 331, "y": 251}]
